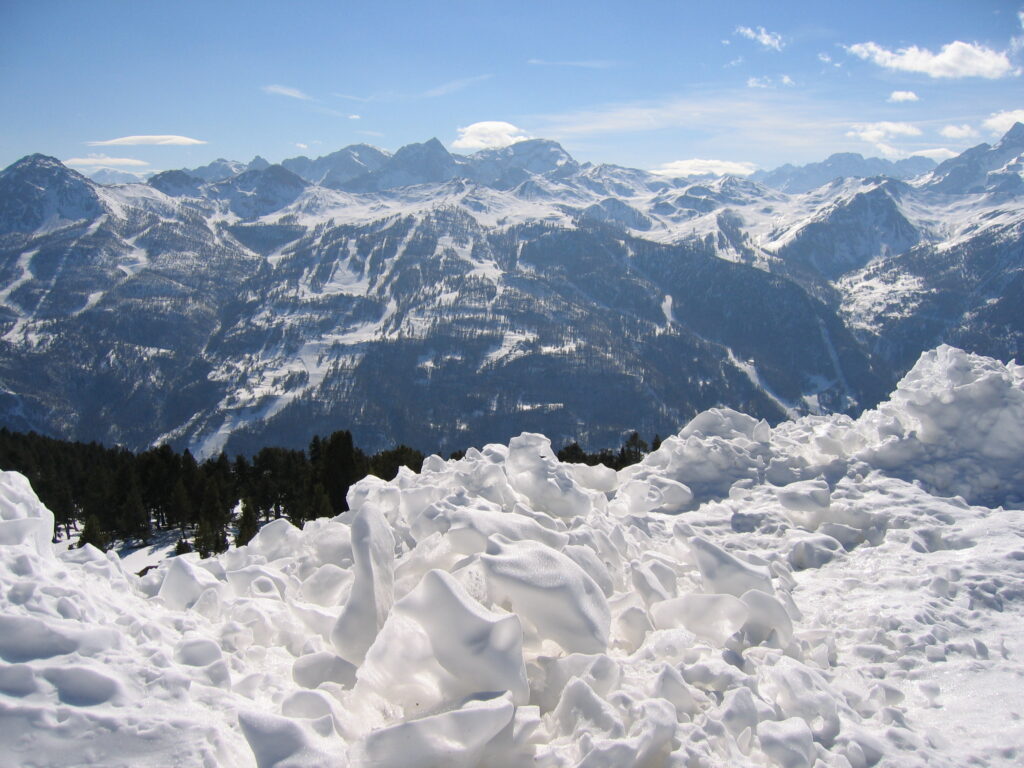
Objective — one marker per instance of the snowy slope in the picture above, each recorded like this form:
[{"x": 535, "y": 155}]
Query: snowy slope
[{"x": 811, "y": 594}]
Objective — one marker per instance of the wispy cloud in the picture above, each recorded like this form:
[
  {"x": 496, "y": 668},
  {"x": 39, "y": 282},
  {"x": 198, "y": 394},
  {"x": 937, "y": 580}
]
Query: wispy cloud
[
  {"x": 1017, "y": 42},
  {"x": 1001, "y": 122},
  {"x": 698, "y": 167},
  {"x": 768, "y": 82},
  {"x": 361, "y": 99},
  {"x": 489, "y": 134},
  {"x": 954, "y": 60},
  {"x": 454, "y": 85},
  {"x": 958, "y": 132},
  {"x": 102, "y": 161},
  {"x": 880, "y": 134},
  {"x": 763, "y": 36},
  {"x": 713, "y": 122},
  {"x": 588, "y": 64},
  {"x": 161, "y": 140},
  {"x": 284, "y": 90},
  {"x": 897, "y": 97}
]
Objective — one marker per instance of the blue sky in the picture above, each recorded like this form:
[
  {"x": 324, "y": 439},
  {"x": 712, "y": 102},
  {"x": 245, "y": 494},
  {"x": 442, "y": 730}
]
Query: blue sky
[{"x": 146, "y": 86}]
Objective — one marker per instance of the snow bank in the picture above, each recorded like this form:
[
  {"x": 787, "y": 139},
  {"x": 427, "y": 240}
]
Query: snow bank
[{"x": 818, "y": 594}]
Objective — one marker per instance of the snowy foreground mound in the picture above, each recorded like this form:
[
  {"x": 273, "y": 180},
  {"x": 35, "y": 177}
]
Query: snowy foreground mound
[{"x": 821, "y": 593}]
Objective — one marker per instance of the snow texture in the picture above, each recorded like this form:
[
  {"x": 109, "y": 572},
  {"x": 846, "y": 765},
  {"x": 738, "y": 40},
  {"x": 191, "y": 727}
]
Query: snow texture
[{"x": 830, "y": 592}]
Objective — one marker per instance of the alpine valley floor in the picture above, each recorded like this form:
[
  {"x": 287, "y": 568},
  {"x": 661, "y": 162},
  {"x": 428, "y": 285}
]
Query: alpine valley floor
[{"x": 829, "y": 592}]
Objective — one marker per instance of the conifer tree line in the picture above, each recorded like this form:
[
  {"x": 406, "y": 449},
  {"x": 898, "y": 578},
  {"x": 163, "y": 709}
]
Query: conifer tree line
[{"x": 111, "y": 494}]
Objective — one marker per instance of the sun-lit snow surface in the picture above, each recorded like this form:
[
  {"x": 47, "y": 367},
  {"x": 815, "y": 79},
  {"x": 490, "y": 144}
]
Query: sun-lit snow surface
[{"x": 819, "y": 593}]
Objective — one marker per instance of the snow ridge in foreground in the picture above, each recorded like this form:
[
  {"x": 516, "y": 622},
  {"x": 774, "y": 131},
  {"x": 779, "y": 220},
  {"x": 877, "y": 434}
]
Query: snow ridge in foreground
[{"x": 820, "y": 593}]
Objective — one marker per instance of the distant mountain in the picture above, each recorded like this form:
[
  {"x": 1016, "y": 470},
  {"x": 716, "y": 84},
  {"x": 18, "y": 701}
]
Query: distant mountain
[
  {"x": 110, "y": 176},
  {"x": 335, "y": 169},
  {"x": 843, "y": 165},
  {"x": 445, "y": 300},
  {"x": 970, "y": 171},
  {"x": 221, "y": 169},
  {"x": 412, "y": 164},
  {"x": 38, "y": 193}
]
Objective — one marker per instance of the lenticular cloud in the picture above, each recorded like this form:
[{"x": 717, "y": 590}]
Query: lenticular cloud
[{"x": 828, "y": 592}]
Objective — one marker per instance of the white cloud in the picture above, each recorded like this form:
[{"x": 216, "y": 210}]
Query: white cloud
[
  {"x": 99, "y": 161},
  {"x": 956, "y": 59},
  {"x": 586, "y": 64},
  {"x": 300, "y": 145},
  {"x": 1001, "y": 122},
  {"x": 767, "y": 82},
  {"x": 283, "y": 90},
  {"x": 938, "y": 154},
  {"x": 155, "y": 140},
  {"x": 824, "y": 58},
  {"x": 881, "y": 133},
  {"x": 897, "y": 97},
  {"x": 762, "y": 36},
  {"x": 958, "y": 132},
  {"x": 454, "y": 85},
  {"x": 699, "y": 167},
  {"x": 489, "y": 134},
  {"x": 355, "y": 117}
]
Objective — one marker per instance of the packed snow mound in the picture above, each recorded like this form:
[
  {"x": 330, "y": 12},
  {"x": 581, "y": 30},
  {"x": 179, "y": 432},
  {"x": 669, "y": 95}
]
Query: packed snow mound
[{"x": 817, "y": 594}]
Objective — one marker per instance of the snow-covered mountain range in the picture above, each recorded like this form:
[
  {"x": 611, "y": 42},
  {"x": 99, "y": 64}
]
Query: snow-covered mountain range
[{"x": 446, "y": 301}]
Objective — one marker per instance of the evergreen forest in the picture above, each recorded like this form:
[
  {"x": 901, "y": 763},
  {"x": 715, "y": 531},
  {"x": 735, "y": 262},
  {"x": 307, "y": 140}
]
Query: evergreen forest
[{"x": 110, "y": 495}]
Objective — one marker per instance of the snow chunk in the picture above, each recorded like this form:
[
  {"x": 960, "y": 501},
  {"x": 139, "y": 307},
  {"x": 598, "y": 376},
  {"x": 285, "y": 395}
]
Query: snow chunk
[
  {"x": 955, "y": 422},
  {"x": 23, "y": 518},
  {"x": 24, "y": 638},
  {"x": 456, "y": 739},
  {"x": 439, "y": 646},
  {"x": 722, "y": 573},
  {"x": 373, "y": 548},
  {"x": 550, "y": 591},
  {"x": 82, "y": 686},
  {"x": 281, "y": 742},
  {"x": 787, "y": 742},
  {"x": 534, "y": 471},
  {"x": 184, "y": 582}
]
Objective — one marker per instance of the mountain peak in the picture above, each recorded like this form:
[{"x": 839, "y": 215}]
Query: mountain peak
[
  {"x": 1013, "y": 137},
  {"x": 38, "y": 160},
  {"x": 39, "y": 189}
]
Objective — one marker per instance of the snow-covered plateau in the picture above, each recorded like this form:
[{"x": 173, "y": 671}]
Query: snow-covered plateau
[{"x": 827, "y": 592}]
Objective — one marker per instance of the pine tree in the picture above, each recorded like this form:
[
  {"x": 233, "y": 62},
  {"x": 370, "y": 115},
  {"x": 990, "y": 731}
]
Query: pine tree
[
  {"x": 248, "y": 523},
  {"x": 92, "y": 533},
  {"x": 180, "y": 512},
  {"x": 212, "y": 521},
  {"x": 320, "y": 504},
  {"x": 206, "y": 538}
]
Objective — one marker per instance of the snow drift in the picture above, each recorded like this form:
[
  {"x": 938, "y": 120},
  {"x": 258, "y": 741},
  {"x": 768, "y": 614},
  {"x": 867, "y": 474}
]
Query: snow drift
[{"x": 820, "y": 593}]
